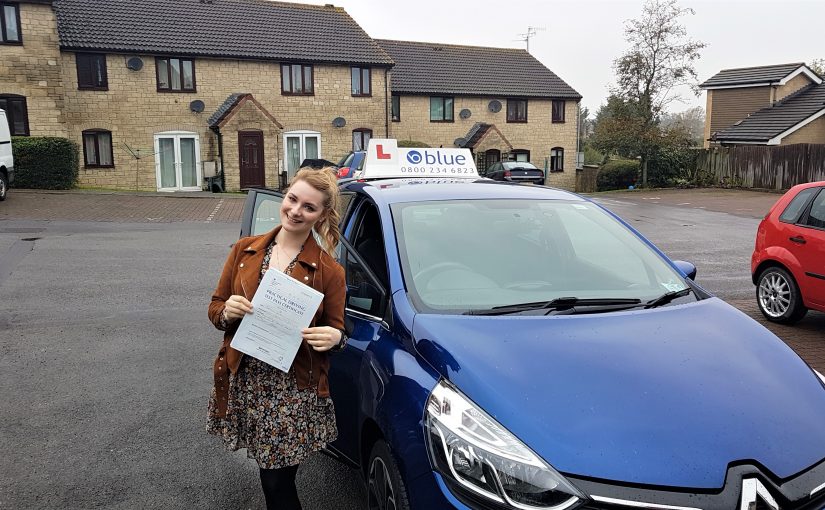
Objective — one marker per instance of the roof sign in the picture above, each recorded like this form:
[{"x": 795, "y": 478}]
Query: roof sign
[{"x": 385, "y": 159}]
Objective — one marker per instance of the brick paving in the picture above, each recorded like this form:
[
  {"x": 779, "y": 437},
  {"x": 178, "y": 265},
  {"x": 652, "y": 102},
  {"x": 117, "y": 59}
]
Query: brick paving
[
  {"x": 807, "y": 337},
  {"x": 122, "y": 206}
]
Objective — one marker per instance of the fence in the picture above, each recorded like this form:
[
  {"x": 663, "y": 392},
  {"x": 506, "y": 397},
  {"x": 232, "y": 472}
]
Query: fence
[{"x": 760, "y": 166}]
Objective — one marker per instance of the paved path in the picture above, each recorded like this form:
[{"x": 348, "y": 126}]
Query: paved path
[{"x": 122, "y": 206}]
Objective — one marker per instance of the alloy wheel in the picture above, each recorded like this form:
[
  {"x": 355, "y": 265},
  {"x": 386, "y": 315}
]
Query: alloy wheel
[
  {"x": 774, "y": 294},
  {"x": 381, "y": 493}
]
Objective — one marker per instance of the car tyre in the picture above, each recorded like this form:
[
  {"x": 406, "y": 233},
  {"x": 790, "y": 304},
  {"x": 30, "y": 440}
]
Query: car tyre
[
  {"x": 385, "y": 489},
  {"x": 778, "y": 297},
  {"x": 4, "y": 186}
]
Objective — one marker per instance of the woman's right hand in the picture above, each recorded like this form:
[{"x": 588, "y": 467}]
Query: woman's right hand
[{"x": 236, "y": 307}]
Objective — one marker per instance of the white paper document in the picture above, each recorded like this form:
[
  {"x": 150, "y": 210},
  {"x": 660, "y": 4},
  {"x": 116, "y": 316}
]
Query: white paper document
[{"x": 281, "y": 307}]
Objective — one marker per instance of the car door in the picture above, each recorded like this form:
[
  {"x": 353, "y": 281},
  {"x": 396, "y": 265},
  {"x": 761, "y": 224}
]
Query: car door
[
  {"x": 808, "y": 246},
  {"x": 261, "y": 212},
  {"x": 354, "y": 379},
  {"x": 496, "y": 172}
]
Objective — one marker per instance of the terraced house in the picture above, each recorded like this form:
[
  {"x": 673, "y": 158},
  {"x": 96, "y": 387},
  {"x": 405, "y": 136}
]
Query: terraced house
[{"x": 162, "y": 93}]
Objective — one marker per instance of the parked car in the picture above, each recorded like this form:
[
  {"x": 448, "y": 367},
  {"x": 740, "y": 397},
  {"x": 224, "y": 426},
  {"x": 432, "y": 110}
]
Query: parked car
[
  {"x": 350, "y": 164},
  {"x": 515, "y": 171},
  {"x": 519, "y": 347},
  {"x": 318, "y": 163},
  {"x": 6, "y": 157},
  {"x": 788, "y": 261}
]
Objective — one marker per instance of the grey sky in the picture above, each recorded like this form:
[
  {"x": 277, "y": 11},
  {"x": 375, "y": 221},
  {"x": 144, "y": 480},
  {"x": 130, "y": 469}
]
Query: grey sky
[{"x": 582, "y": 38}]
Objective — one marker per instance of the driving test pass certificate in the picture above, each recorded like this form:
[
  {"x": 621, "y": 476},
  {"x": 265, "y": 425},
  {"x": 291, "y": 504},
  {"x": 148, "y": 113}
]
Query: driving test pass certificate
[{"x": 281, "y": 307}]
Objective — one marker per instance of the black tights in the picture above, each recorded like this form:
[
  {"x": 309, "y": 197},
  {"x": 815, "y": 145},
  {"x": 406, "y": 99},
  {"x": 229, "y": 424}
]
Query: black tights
[{"x": 279, "y": 488}]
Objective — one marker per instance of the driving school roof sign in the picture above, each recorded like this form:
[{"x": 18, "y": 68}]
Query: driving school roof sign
[{"x": 385, "y": 159}]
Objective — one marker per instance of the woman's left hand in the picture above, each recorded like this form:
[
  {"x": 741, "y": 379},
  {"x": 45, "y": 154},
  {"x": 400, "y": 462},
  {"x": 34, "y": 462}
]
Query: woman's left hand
[{"x": 322, "y": 338}]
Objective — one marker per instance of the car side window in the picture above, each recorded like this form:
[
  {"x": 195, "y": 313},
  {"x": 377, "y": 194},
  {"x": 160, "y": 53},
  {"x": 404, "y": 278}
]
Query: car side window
[
  {"x": 368, "y": 241},
  {"x": 364, "y": 293},
  {"x": 266, "y": 213},
  {"x": 816, "y": 216},
  {"x": 796, "y": 206}
]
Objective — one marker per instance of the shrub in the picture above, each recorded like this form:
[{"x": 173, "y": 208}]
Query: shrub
[
  {"x": 671, "y": 166},
  {"x": 44, "y": 162},
  {"x": 411, "y": 144},
  {"x": 617, "y": 174}
]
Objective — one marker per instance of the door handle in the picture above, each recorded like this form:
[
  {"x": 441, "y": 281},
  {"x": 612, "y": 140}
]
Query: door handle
[{"x": 797, "y": 240}]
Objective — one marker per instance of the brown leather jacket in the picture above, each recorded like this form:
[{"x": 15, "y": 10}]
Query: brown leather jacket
[{"x": 317, "y": 269}]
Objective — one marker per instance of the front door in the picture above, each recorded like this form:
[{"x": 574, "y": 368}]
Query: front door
[
  {"x": 251, "y": 149},
  {"x": 493, "y": 156},
  {"x": 300, "y": 145},
  {"x": 177, "y": 161}
]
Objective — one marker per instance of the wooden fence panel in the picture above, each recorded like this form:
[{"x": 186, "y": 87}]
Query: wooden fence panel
[{"x": 760, "y": 166}]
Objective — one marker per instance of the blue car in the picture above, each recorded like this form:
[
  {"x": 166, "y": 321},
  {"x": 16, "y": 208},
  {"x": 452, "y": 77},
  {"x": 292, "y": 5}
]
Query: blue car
[{"x": 521, "y": 347}]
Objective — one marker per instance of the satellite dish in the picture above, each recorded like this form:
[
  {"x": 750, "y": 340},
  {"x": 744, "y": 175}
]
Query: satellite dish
[
  {"x": 494, "y": 106},
  {"x": 197, "y": 106},
  {"x": 134, "y": 63},
  {"x": 459, "y": 142},
  {"x": 465, "y": 113},
  {"x": 339, "y": 122}
]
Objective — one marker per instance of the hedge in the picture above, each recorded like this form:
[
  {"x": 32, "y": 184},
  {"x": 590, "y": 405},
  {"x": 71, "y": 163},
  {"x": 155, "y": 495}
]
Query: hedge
[
  {"x": 617, "y": 174},
  {"x": 44, "y": 162}
]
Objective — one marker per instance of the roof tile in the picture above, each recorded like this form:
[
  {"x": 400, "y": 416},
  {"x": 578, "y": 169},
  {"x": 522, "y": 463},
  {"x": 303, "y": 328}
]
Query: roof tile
[
  {"x": 751, "y": 75},
  {"x": 257, "y": 29},
  {"x": 430, "y": 68}
]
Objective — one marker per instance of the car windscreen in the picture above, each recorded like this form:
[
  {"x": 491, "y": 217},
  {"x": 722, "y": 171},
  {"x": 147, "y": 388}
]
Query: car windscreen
[
  {"x": 345, "y": 161},
  {"x": 461, "y": 255}
]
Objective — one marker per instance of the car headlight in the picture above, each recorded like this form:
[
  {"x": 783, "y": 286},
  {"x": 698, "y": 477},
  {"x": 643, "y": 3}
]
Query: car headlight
[{"x": 471, "y": 449}]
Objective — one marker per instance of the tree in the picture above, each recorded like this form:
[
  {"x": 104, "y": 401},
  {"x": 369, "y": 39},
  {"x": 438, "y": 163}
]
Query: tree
[
  {"x": 818, "y": 66},
  {"x": 691, "y": 121},
  {"x": 661, "y": 57}
]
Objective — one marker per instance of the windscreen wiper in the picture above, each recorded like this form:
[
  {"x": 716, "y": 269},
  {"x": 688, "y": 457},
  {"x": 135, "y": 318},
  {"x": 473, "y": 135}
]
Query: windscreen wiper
[
  {"x": 667, "y": 297},
  {"x": 562, "y": 303}
]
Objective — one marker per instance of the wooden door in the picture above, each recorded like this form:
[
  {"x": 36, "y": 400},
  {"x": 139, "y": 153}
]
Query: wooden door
[{"x": 251, "y": 150}]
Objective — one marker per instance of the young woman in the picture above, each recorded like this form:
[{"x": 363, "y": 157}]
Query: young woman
[{"x": 280, "y": 418}]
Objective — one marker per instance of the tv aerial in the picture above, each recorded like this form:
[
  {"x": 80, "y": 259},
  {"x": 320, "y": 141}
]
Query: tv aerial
[{"x": 531, "y": 31}]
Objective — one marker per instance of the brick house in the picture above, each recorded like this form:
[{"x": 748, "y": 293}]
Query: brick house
[
  {"x": 768, "y": 105},
  {"x": 158, "y": 91}
]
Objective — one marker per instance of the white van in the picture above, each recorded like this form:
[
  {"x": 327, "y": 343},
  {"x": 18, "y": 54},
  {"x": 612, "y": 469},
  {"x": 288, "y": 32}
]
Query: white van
[{"x": 6, "y": 158}]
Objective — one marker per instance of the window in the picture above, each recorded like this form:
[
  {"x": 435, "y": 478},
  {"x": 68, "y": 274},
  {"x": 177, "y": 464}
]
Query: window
[
  {"x": 396, "y": 108},
  {"x": 97, "y": 148},
  {"x": 558, "y": 111},
  {"x": 516, "y": 110},
  {"x": 10, "y": 24},
  {"x": 296, "y": 79},
  {"x": 91, "y": 71},
  {"x": 175, "y": 74},
  {"x": 441, "y": 109},
  {"x": 522, "y": 155},
  {"x": 361, "y": 81},
  {"x": 816, "y": 216},
  {"x": 16, "y": 113},
  {"x": 361, "y": 138},
  {"x": 797, "y": 205},
  {"x": 556, "y": 159}
]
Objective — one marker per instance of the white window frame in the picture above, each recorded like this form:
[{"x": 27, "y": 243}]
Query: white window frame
[
  {"x": 177, "y": 136},
  {"x": 303, "y": 134}
]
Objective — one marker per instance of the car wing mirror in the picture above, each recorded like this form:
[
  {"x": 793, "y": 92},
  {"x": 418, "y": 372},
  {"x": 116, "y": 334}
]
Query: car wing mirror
[{"x": 687, "y": 268}]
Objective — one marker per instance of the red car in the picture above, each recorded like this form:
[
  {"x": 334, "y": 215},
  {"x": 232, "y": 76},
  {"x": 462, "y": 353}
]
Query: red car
[{"x": 788, "y": 261}]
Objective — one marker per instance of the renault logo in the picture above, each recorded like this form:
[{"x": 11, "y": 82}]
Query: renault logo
[{"x": 752, "y": 491}]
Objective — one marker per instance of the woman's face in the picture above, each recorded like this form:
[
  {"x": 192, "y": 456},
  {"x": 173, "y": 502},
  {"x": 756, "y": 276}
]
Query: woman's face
[{"x": 302, "y": 207}]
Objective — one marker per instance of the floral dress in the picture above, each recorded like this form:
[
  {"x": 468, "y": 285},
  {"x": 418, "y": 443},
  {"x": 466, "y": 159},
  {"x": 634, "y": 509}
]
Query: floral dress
[{"x": 278, "y": 424}]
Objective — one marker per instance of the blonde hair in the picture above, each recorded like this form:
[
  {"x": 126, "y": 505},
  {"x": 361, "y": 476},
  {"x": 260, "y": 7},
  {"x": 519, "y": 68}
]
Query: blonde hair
[{"x": 325, "y": 181}]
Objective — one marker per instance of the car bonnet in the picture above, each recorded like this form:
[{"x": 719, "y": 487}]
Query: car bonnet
[{"x": 667, "y": 397}]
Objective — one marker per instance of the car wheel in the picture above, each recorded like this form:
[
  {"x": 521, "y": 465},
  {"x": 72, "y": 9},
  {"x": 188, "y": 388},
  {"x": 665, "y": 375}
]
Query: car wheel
[
  {"x": 778, "y": 296},
  {"x": 385, "y": 489},
  {"x": 4, "y": 186}
]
